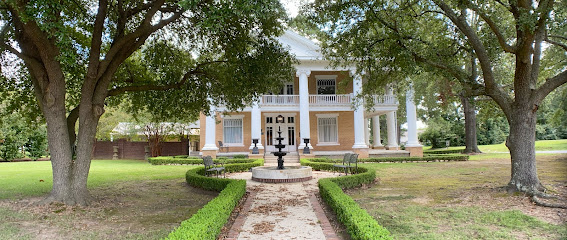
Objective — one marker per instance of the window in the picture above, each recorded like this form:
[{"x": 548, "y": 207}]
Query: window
[
  {"x": 325, "y": 86},
  {"x": 290, "y": 119},
  {"x": 291, "y": 136},
  {"x": 232, "y": 131},
  {"x": 269, "y": 119},
  {"x": 287, "y": 89},
  {"x": 269, "y": 134},
  {"x": 327, "y": 127}
]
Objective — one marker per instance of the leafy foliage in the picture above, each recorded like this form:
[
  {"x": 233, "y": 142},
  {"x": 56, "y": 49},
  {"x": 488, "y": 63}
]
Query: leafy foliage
[{"x": 18, "y": 137}]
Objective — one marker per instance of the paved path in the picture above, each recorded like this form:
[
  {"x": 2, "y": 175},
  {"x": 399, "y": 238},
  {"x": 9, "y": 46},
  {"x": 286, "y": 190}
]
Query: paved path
[{"x": 281, "y": 211}]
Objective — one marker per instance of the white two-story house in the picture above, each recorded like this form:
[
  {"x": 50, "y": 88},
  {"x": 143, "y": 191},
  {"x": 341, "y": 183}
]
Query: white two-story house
[{"x": 315, "y": 106}]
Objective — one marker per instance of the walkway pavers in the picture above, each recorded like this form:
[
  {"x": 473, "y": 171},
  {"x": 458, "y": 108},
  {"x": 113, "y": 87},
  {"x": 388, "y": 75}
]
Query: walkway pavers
[{"x": 282, "y": 211}]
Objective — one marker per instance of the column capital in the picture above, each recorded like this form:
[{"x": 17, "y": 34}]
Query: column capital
[{"x": 302, "y": 71}]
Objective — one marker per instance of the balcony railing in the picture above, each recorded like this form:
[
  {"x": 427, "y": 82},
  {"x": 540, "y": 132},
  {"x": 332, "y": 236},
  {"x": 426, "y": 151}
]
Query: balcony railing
[
  {"x": 329, "y": 99},
  {"x": 324, "y": 100},
  {"x": 385, "y": 99},
  {"x": 280, "y": 99}
]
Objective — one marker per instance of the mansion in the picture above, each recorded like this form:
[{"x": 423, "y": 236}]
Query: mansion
[{"x": 315, "y": 106}]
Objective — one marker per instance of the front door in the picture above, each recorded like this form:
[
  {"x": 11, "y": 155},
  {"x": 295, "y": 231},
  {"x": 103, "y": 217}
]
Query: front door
[{"x": 288, "y": 131}]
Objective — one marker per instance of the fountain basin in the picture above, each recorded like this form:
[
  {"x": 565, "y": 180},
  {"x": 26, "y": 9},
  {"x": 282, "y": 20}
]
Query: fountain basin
[{"x": 271, "y": 174}]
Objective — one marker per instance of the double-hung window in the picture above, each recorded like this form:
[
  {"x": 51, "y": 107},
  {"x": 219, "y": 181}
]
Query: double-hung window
[
  {"x": 232, "y": 129},
  {"x": 327, "y": 129}
]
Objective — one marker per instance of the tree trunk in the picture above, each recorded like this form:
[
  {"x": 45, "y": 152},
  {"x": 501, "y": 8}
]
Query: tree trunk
[
  {"x": 470, "y": 126},
  {"x": 521, "y": 143}
]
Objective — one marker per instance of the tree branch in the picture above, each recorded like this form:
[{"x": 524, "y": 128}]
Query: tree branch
[
  {"x": 96, "y": 42},
  {"x": 501, "y": 39},
  {"x": 491, "y": 87},
  {"x": 561, "y": 45},
  {"x": 550, "y": 85}
]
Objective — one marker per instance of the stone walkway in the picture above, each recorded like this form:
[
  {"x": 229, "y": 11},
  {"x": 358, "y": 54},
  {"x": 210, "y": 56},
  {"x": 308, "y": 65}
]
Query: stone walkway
[{"x": 282, "y": 211}]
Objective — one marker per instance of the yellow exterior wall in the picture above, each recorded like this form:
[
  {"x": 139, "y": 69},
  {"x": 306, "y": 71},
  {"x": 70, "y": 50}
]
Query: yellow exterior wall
[{"x": 345, "y": 131}]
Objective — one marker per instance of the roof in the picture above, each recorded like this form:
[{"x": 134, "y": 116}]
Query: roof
[{"x": 300, "y": 46}]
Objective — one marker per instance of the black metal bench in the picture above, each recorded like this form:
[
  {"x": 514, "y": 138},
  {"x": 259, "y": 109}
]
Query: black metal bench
[
  {"x": 350, "y": 161},
  {"x": 211, "y": 166}
]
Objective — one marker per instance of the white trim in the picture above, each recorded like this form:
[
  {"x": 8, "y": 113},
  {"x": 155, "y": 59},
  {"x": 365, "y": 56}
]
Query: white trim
[
  {"x": 232, "y": 117},
  {"x": 238, "y": 144},
  {"x": 276, "y": 114},
  {"x": 326, "y": 77},
  {"x": 327, "y": 144},
  {"x": 329, "y": 115}
]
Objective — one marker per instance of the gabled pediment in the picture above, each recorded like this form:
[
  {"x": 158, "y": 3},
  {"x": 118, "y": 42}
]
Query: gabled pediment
[{"x": 302, "y": 47}]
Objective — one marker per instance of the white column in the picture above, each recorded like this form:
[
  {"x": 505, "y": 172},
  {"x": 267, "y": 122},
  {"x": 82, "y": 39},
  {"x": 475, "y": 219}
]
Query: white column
[
  {"x": 376, "y": 131},
  {"x": 412, "y": 119},
  {"x": 367, "y": 131},
  {"x": 305, "y": 130},
  {"x": 256, "y": 125},
  {"x": 392, "y": 129},
  {"x": 210, "y": 129},
  {"x": 359, "y": 125}
]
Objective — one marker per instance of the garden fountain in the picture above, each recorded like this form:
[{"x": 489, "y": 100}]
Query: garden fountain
[{"x": 280, "y": 173}]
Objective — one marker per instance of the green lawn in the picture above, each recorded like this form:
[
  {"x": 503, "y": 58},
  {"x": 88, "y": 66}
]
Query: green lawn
[
  {"x": 22, "y": 179},
  {"x": 543, "y": 145},
  {"x": 132, "y": 199},
  {"x": 462, "y": 200}
]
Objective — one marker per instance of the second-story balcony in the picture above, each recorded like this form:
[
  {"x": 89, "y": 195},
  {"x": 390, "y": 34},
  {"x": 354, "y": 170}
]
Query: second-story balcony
[{"x": 322, "y": 101}]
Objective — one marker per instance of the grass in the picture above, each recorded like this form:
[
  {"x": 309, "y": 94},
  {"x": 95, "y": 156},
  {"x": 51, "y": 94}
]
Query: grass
[
  {"x": 30, "y": 179},
  {"x": 543, "y": 145},
  {"x": 132, "y": 200},
  {"x": 461, "y": 200}
]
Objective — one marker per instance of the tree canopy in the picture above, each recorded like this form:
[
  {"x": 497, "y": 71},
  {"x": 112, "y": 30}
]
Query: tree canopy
[
  {"x": 520, "y": 48},
  {"x": 167, "y": 57}
]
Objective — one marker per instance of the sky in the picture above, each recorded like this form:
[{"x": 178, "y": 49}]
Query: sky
[{"x": 292, "y": 6}]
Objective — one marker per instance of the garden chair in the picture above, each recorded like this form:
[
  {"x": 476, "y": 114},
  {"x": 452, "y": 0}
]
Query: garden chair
[
  {"x": 345, "y": 164},
  {"x": 221, "y": 146},
  {"x": 353, "y": 160},
  {"x": 211, "y": 166}
]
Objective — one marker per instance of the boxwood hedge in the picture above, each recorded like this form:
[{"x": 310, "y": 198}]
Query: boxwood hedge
[
  {"x": 192, "y": 160},
  {"x": 444, "y": 151},
  {"x": 209, "y": 220},
  {"x": 359, "y": 224},
  {"x": 426, "y": 158}
]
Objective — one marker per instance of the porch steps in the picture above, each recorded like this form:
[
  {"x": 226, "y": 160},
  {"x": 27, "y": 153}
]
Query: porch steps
[{"x": 291, "y": 159}]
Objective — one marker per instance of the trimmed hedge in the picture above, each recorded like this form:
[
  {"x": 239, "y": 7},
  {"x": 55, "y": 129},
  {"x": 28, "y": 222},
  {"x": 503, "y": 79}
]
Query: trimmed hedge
[
  {"x": 443, "y": 151},
  {"x": 426, "y": 158},
  {"x": 192, "y": 160},
  {"x": 209, "y": 220},
  {"x": 207, "y": 223},
  {"x": 359, "y": 224}
]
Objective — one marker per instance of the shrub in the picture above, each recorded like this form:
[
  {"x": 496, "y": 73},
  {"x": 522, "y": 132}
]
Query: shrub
[
  {"x": 315, "y": 163},
  {"x": 359, "y": 224},
  {"x": 240, "y": 156},
  {"x": 191, "y": 160},
  {"x": 209, "y": 220},
  {"x": 443, "y": 151}
]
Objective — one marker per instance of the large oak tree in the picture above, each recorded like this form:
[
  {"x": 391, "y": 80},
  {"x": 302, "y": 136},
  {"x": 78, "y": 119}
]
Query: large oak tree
[
  {"x": 171, "y": 57},
  {"x": 391, "y": 40}
]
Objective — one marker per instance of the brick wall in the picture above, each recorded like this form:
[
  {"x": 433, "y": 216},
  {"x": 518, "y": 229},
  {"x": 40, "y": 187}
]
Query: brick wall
[{"x": 135, "y": 150}]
